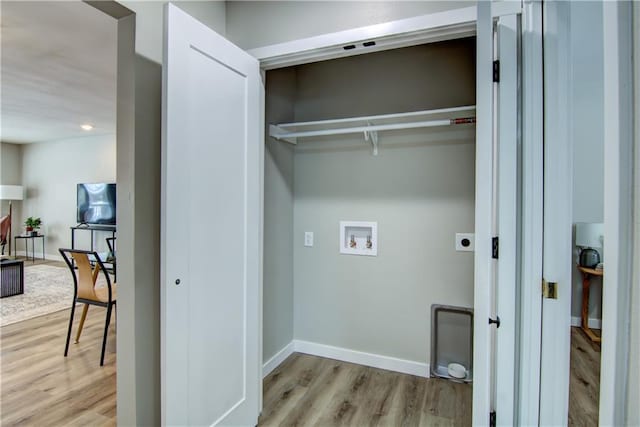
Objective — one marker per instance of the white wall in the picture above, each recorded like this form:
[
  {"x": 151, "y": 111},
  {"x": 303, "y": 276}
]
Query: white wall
[
  {"x": 587, "y": 133},
  {"x": 420, "y": 190},
  {"x": 150, "y": 23},
  {"x": 11, "y": 174},
  {"x": 261, "y": 23},
  {"x": 50, "y": 172}
]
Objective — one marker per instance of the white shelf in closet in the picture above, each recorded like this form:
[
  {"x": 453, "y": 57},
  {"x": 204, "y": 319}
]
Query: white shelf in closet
[{"x": 369, "y": 126}]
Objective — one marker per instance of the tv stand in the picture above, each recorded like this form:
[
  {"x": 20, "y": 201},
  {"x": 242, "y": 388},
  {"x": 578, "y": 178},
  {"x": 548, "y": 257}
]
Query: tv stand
[{"x": 92, "y": 228}]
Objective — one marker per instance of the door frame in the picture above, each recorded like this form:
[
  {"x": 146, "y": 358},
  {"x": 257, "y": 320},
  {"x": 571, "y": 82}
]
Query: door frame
[
  {"x": 137, "y": 397},
  {"x": 461, "y": 23},
  {"x": 528, "y": 366},
  {"x": 555, "y": 316},
  {"x": 446, "y": 25},
  {"x": 618, "y": 223},
  {"x": 618, "y": 209}
]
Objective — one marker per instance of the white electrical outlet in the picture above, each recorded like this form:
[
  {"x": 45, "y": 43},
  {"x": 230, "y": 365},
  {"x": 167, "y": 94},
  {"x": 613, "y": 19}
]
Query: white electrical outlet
[
  {"x": 465, "y": 242},
  {"x": 308, "y": 238}
]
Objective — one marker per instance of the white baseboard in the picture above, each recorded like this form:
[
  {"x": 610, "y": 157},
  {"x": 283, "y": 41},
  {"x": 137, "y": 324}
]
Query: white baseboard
[
  {"x": 346, "y": 355},
  {"x": 362, "y": 358},
  {"x": 53, "y": 257},
  {"x": 48, "y": 257},
  {"x": 277, "y": 359},
  {"x": 592, "y": 322}
]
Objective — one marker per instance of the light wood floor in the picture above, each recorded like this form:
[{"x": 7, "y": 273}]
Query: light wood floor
[
  {"x": 313, "y": 391},
  {"x": 584, "y": 382},
  {"x": 40, "y": 387}
]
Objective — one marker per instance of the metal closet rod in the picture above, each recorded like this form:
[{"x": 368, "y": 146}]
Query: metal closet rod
[{"x": 280, "y": 132}]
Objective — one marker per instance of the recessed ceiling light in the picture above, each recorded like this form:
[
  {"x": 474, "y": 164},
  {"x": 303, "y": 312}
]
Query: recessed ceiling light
[{"x": 87, "y": 127}]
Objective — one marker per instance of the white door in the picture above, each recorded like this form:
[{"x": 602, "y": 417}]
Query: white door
[
  {"x": 508, "y": 214},
  {"x": 497, "y": 257},
  {"x": 210, "y": 310}
]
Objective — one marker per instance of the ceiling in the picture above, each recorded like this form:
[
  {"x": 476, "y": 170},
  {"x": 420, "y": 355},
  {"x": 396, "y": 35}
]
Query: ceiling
[{"x": 58, "y": 71}]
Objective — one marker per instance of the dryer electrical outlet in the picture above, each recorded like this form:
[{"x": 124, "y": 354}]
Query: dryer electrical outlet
[{"x": 465, "y": 242}]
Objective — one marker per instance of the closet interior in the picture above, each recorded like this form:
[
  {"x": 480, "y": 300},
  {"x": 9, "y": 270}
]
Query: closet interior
[{"x": 369, "y": 178}]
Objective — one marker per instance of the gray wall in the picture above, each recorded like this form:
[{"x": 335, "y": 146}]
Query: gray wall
[
  {"x": 420, "y": 197},
  {"x": 420, "y": 190},
  {"x": 261, "y": 23},
  {"x": 150, "y": 22},
  {"x": 147, "y": 237},
  {"x": 278, "y": 217},
  {"x": 50, "y": 173},
  {"x": 633, "y": 409},
  {"x": 587, "y": 128},
  {"x": 11, "y": 174},
  {"x": 423, "y": 77}
]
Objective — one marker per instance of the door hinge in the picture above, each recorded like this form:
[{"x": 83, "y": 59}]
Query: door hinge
[
  {"x": 495, "y": 247},
  {"x": 549, "y": 289},
  {"x": 496, "y": 321},
  {"x": 492, "y": 419},
  {"x": 496, "y": 71}
]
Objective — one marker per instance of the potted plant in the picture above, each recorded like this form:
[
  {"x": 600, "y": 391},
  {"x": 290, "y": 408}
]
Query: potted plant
[{"x": 33, "y": 224}]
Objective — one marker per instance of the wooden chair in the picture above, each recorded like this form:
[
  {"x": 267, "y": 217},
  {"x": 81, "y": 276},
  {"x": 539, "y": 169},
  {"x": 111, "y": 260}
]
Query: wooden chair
[
  {"x": 85, "y": 291},
  {"x": 111, "y": 243}
]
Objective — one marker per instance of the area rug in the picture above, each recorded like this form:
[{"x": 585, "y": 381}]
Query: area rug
[{"x": 47, "y": 289}]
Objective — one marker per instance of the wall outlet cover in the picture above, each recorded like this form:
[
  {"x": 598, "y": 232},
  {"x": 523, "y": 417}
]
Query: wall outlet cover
[
  {"x": 308, "y": 238},
  {"x": 465, "y": 242}
]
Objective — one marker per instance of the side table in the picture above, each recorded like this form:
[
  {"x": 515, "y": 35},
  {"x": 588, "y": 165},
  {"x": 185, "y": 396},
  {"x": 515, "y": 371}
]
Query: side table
[
  {"x": 26, "y": 245},
  {"x": 11, "y": 277},
  {"x": 587, "y": 273}
]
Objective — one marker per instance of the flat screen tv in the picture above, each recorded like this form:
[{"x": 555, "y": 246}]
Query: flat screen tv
[{"x": 97, "y": 204}]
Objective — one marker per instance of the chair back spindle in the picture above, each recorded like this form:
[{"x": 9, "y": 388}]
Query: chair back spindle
[{"x": 87, "y": 276}]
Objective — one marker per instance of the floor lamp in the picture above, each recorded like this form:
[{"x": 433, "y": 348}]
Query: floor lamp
[{"x": 10, "y": 193}]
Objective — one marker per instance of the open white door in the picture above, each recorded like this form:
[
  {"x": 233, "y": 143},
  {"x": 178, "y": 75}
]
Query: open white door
[
  {"x": 498, "y": 219},
  {"x": 509, "y": 216},
  {"x": 483, "y": 264},
  {"x": 210, "y": 310}
]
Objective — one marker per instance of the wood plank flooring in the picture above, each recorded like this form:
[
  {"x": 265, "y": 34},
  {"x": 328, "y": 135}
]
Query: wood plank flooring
[
  {"x": 584, "y": 380},
  {"x": 40, "y": 387},
  {"x": 313, "y": 391}
]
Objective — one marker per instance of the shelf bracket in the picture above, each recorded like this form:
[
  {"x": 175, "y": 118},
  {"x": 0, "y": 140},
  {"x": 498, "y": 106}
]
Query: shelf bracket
[
  {"x": 372, "y": 135},
  {"x": 280, "y": 134}
]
